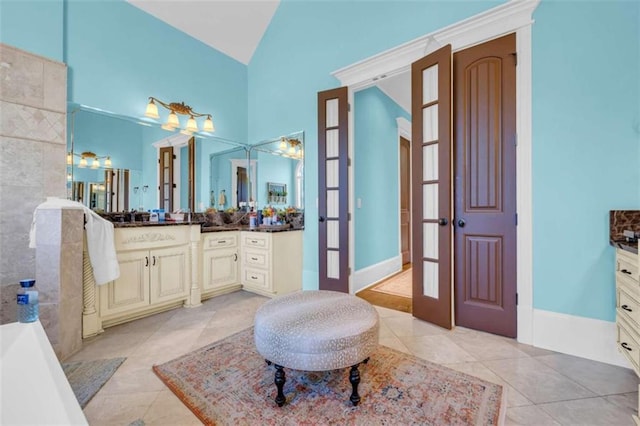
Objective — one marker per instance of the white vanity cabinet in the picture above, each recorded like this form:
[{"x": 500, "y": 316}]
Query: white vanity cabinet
[
  {"x": 271, "y": 262},
  {"x": 156, "y": 264},
  {"x": 220, "y": 263},
  {"x": 628, "y": 308}
]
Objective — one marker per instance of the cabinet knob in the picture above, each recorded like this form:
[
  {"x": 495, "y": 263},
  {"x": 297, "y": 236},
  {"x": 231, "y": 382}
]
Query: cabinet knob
[
  {"x": 461, "y": 223},
  {"x": 154, "y": 261},
  {"x": 624, "y": 271},
  {"x": 235, "y": 257},
  {"x": 626, "y": 308},
  {"x": 146, "y": 261},
  {"x": 626, "y": 346}
]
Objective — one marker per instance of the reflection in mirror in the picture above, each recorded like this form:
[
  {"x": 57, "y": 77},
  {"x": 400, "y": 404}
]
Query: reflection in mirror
[
  {"x": 230, "y": 173},
  {"x": 280, "y": 164}
]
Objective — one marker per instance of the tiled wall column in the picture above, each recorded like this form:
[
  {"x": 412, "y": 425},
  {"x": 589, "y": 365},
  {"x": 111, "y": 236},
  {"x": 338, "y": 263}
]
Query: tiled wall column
[
  {"x": 33, "y": 104},
  {"x": 59, "y": 239}
]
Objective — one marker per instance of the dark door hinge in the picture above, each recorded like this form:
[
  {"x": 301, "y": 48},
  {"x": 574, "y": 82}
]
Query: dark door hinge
[
  {"x": 515, "y": 58},
  {"x": 516, "y": 299},
  {"x": 516, "y": 219}
]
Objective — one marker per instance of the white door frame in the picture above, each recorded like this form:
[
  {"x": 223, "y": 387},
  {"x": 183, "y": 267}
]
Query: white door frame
[{"x": 512, "y": 17}]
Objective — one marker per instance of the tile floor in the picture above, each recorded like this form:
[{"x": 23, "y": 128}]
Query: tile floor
[{"x": 543, "y": 387}]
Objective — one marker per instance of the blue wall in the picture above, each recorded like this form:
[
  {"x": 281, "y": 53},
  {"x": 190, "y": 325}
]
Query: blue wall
[
  {"x": 34, "y": 26},
  {"x": 304, "y": 43},
  {"x": 585, "y": 106},
  {"x": 376, "y": 153},
  {"x": 586, "y": 77}
]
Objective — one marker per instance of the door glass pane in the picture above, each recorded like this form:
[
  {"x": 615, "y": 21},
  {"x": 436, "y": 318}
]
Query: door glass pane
[
  {"x": 430, "y": 123},
  {"x": 430, "y": 279},
  {"x": 332, "y": 174},
  {"x": 430, "y": 201},
  {"x": 333, "y": 264},
  {"x": 332, "y": 143},
  {"x": 430, "y": 162},
  {"x": 332, "y": 112},
  {"x": 166, "y": 174},
  {"x": 430, "y": 84},
  {"x": 333, "y": 234},
  {"x": 430, "y": 240},
  {"x": 332, "y": 203}
]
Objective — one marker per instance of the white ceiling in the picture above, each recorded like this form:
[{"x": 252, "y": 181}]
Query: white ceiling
[{"x": 234, "y": 27}]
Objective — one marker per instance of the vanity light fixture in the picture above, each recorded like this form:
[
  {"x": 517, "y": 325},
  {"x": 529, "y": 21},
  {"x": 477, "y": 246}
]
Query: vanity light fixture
[
  {"x": 291, "y": 147},
  {"x": 86, "y": 156},
  {"x": 172, "y": 120}
]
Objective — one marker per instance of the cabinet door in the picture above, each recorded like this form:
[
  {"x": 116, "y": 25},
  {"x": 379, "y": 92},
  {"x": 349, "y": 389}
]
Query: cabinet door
[
  {"x": 131, "y": 290},
  {"x": 220, "y": 268},
  {"x": 169, "y": 279}
]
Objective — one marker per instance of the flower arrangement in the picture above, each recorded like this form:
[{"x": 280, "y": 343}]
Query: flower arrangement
[
  {"x": 291, "y": 209},
  {"x": 267, "y": 211}
]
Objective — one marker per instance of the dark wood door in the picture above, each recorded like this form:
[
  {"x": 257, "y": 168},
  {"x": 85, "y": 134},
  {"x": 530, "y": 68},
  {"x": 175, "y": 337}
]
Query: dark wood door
[
  {"x": 405, "y": 200},
  {"x": 165, "y": 165},
  {"x": 431, "y": 189},
  {"x": 242, "y": 189},
  {"x": 333, "y": 190},
  {"x": 485, "y": 186}
]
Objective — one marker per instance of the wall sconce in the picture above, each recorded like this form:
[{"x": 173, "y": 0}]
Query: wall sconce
[
  {"x": 85, "y": 157},
  {"x": 291, "y": 147},
  {"x": 172, "y": 120}
]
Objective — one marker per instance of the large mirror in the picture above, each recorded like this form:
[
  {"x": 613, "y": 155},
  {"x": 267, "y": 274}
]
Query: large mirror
[{"x": 118, "y": 163}]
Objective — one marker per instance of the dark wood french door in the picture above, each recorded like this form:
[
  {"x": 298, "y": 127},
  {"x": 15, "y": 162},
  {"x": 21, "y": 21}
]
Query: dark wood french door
[
  {"x": 333, "y": 190},
  {"x": 431, "y": 189},
  {"x": 405, "y": 200},
  {"x": 484, "y": 88},
  {"x": 166, "y": 184}
]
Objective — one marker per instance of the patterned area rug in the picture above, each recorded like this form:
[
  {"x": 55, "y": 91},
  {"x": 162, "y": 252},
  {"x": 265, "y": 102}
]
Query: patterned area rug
[
  {"x": 399, "y": 285},
  {"x": 87, "y": 377},
  {"x": 228, "y": 383}
]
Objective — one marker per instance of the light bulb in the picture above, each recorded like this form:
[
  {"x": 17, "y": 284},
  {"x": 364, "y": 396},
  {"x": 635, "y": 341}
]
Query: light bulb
[
  {"x": 172, "y": 120},
  {"x": 208, "y": 125},
  {"x": 152, "y": 110},
  {"x": 283, "y": 144},
  {"x": 69, "y": 159},
  {"x": 192, "y": 126},
  {"x": 107, "y": 162},
  {"x": 83, "y": 163},
  {"x": 95, "y": 164}
]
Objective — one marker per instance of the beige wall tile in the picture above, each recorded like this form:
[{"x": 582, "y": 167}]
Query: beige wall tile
[
  {"x": 21, "y": 162},
  {"x": 26, "y": 122},
  {"x": 21, "y": 77},
  {"x": 55, "y": 178},
  {"x": 55, "y": 86}
]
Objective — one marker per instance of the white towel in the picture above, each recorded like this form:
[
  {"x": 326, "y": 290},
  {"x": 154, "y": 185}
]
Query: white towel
[{"x": 100, "y": 244}]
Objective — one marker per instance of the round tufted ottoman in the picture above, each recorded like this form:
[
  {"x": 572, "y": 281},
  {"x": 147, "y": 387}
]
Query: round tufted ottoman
[{"x": 316, "y": 331}]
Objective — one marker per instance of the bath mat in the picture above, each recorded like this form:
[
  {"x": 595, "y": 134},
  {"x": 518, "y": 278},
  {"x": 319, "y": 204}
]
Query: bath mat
[
  {"x": 228, "y": 383},
  {"x": 87, "y": 377},
  {"x": 398, "y": 285}
]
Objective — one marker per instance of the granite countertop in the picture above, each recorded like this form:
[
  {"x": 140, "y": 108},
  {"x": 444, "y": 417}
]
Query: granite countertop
[
  {"x": 261, "y": 228},
  {"x": 209, "y": 228},
  {"x": 625, "y": 245}
]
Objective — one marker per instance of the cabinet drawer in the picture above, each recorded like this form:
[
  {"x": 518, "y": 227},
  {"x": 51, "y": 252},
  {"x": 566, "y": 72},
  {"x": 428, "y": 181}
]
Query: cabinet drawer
[
  {"x": 627, "y": 266},
  {"x": 256, "y": 240},
  {"x": 628, "y": 344},
  {"x": 220, "y": 240},
  {"x": 256, "y": 278},
  {"x": 627, "y": 306},
  {"x": 256, "y": 258}
]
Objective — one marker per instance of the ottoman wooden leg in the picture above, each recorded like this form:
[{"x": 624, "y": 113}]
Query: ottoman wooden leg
[
  {"x": 354, "y": 378},
  {"x": 279, "y": 381}
]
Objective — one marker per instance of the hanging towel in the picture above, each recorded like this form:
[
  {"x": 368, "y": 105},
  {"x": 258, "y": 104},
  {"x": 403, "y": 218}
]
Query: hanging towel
[{"x": 100, "y": 242}]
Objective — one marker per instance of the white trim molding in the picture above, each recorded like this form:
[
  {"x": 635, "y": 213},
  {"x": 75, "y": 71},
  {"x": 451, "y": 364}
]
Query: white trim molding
[
  {"x": 512, "y": 17},
  {"x": 373, "y": 274},
  {"x": 584, "y": 337}
]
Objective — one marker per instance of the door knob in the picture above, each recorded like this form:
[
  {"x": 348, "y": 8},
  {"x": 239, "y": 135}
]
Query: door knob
[
  {"x": 321, "y": 218},
  {"x": 461, "y": 223},
  {"x": 442, "y": 221}
]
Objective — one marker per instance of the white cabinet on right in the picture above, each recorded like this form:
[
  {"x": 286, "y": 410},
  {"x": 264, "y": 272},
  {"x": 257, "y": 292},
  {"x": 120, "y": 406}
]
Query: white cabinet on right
[
  {"x": 271, "y": 262},
  {"x": 628, "y": 308}
]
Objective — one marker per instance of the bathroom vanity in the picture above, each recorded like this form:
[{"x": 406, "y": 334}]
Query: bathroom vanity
[
  {"x": 168, "y": 265},
  {"x": 624, "y": 232}
]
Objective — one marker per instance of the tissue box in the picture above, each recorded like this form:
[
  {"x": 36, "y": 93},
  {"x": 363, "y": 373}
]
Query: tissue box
[{"x": 178, "y": 217}]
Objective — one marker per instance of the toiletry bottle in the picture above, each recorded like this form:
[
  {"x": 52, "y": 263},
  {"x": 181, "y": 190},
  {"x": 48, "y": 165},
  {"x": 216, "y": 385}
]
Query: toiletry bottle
[{"x": 28, "y": 306}]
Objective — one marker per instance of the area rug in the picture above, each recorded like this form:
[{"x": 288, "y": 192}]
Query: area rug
[
  {"x": 398, "y": 285},
  {"x": 228, "y": 383},
  {"x": 87, "y": 377}
]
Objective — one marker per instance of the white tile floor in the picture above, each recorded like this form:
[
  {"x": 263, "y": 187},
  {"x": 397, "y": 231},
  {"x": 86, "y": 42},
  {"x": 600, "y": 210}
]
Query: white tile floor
[{"x": 543, "y": 387}]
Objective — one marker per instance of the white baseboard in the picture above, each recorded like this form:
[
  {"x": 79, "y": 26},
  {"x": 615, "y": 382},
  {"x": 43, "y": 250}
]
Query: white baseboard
[
  {"x": 370, "y": 275},
  {"x": 584, "y": 337}
]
